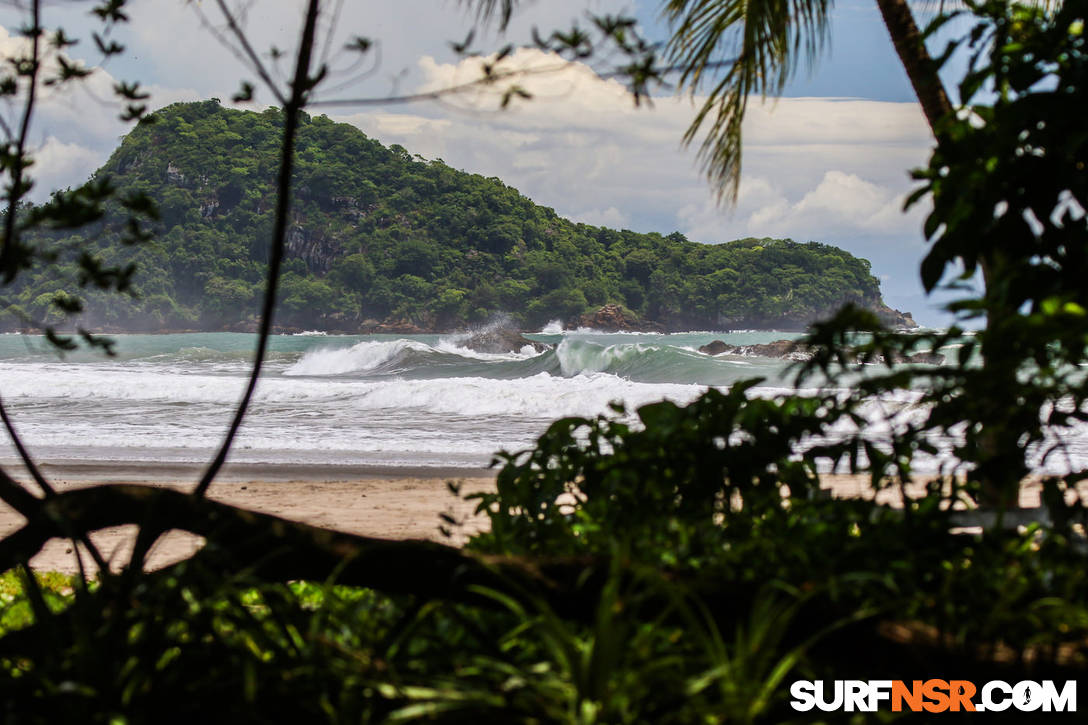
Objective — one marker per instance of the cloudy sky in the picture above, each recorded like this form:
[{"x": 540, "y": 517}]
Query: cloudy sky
[{"x": 827, "y": 162}]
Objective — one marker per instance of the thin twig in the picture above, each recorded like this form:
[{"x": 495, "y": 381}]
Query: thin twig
[
  {"x": 255, "y": 59},
  {"x": 495, "y": 77},
  {"x": 14, "y": 195},
  {"x": 334, "y": 20},
  {"x": 16, "y": 190},
  {"x": 300, "y": 89},
  {"x": 16, "y": 496},
  {"x": 24, "y": 454}
]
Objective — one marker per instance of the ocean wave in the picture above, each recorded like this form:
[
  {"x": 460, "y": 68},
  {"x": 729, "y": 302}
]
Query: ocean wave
[
  {"x": 593, "y": 331},
  {"x": 539, "y": 395},
  {"x": 452, "y": 344},
  {"x": 360, "y": 357},
  {"x": 578, "y": 358},
  {"x": 399, "y": 357},
  {"x": 651, "y": 362}
]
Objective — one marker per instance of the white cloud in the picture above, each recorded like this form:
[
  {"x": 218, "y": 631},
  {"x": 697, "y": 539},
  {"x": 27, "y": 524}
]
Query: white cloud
[
  {"x": 610, "y": 217},
  {"x": 177, "y": 39},
  {"x": 58, "y": 164},
  {"x": 812, "y": 167},
  {"x": 75, "y": 125}
]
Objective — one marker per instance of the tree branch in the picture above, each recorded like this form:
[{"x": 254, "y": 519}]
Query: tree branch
[
  {"x": 274, "y": 549},
  {"x": 300, "y": 90},
  {"x": 24, "y": 454},
  {"x": 16, "y": 496},
  {"x": 250, "y": 53},
  {"x": 16, "y": 191}
]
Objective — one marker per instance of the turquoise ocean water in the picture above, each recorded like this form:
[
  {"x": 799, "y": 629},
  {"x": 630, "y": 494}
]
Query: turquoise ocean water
[
  {"x": 418, "y": 400},
  {"x": 382, "y": 400}
]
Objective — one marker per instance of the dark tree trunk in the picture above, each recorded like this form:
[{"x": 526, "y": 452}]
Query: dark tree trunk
[
  {"x": 1000, "y": 481},
  {"x": 920, "y": 67}
]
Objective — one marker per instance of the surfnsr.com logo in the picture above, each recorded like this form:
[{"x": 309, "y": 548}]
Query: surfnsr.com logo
[{"x": 933, "y": 696}]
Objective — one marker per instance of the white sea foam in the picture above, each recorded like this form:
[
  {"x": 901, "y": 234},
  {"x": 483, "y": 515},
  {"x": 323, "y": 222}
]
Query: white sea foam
[
  {"x": 361, "y": 357},
  {"x": 453, "y": 344},
  {"x": 555, "y": 327},
  {"x": 537, "y": 396},
  {"x": 127, "y": 412},
  {"x": 577, "y": 358},
  {"x": 171, "y": 399},
  {"x": 593, "y": 331}
]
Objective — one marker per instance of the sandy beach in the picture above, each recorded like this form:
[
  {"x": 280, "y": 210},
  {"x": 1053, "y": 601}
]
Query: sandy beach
[{"x": 393, "y": 503}]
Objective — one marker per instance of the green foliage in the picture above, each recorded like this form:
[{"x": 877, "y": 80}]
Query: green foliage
[
  {"x": 380, "y": 235},
  {"x": 40, "y": 60},
  {"x": 668, "y": 482},
  {"x": 15, "y": 607},
  {"x": 727, "y": 489},
  {"x": 162, "y": 651}
]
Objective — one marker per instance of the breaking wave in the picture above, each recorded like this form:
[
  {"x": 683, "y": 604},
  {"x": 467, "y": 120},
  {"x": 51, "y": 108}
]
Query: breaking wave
[{"x": 446, "y": 358}]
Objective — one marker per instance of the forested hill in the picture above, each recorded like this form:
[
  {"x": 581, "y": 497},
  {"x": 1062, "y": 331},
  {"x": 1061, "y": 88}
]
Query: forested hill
[{"x": 384, "y": 240}]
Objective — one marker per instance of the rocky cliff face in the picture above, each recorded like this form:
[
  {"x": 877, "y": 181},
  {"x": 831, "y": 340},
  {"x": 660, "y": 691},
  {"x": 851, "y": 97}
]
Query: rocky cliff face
[
  {"x": 613, "y": 318},
  {"x": 895, "y": 319},
  {"x": 317, "y": 250}
]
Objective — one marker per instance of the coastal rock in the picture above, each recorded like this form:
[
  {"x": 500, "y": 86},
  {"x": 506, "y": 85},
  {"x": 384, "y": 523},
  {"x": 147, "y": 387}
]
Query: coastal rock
[
  {"x": 786, "y": 349},
  {"x": 716, "y": 347},
  {"x": 613, "y": 318},
  {"x": 927, "y": 358},
  {"x": 249, "y": 325},
  {"x": 501, "y": 341},
  {"x": 895, "y": 319},
  {"x": 399, "y": 327},
  {"x": 318, "y": 251},
  {"x": 922, "y": 358}
]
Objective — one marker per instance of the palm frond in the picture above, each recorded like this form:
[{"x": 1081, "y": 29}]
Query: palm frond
[
  {"x": 488, "y": 10},
  {"x": 757, "y": 45}
]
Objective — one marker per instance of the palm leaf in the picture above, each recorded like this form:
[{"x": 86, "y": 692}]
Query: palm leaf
[{"x": 755, "y": 45}]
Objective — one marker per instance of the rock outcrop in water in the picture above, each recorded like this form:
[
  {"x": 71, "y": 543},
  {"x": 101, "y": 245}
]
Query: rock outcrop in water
[
  {"x": 500, "y": 341},
  {"x": 717, "y": 347},
  {"x": 895, "y": 319},
  {"x": 778, "y": 349},
  {"x": 791, "y": 350}
]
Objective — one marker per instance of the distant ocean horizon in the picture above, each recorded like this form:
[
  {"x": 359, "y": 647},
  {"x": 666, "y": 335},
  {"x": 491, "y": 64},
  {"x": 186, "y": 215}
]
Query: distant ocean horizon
[{"x": 357, "y": 400}]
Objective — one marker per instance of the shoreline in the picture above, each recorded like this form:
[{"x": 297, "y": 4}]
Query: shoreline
[
  {"x": 380, "y": 502},
  {"x": 83, "y": 471}
]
